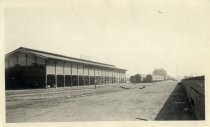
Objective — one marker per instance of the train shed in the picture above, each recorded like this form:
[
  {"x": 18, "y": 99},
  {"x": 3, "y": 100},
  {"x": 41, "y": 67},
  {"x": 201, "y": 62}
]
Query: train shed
[{"x": 29, "y": 68}]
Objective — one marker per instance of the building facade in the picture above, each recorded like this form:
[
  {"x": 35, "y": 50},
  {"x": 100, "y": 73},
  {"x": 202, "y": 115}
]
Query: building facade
[{"x": 29, "y": 68}]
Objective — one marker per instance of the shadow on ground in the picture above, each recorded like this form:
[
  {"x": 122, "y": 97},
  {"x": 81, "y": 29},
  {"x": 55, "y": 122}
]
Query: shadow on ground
[{"x": 177, "y": 107}]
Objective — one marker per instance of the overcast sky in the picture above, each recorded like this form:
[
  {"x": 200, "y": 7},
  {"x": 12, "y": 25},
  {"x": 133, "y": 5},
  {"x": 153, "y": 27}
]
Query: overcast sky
[{"x": 136, "y": 35}]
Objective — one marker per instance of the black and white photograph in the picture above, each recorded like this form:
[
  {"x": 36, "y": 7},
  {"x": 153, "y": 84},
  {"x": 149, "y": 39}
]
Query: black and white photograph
[{"x": 104, "y": 61}]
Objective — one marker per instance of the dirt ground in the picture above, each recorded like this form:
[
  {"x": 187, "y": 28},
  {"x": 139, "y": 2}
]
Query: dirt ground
[{"x": 122, "y": 102}]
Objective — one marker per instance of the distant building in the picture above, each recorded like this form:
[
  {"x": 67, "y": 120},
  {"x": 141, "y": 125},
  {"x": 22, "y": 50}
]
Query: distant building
[
  {"x": 157, "y": 78},
  {"x": 143, "y": 77},
  {"x": 29, "y": 68}
]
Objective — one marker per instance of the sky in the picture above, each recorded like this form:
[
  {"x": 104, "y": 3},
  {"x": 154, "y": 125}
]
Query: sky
[{"x": 132, "y": 34}]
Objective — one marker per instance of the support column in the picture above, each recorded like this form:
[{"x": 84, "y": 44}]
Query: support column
[
  {"x": 71, "y": 74},
  {"x": 99, "y": 71},
  {"x": 117, "y": 77},
  {"x": 105, "y": 76},
  {"x": 77, "y": 75},
  {"x": 83, "y": 76},
  {"x": 94, "y": 78},
  {"x": 102, "y": 73},
  {"x": 112, "y": 76},
  {"x": 55, "y": 75},
  {"x": 88, "y": 76},
  {"x": 64, "y": 84},
  {"x": 125, "y": 78},
  {"x": 46, "y": 73}
]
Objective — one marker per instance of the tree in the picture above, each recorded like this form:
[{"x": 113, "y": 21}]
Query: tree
[
  {"x": 137, "y": 78},
  {"x": 161, "y": 72},
  {"x": 149, "y": 78},
  {"x": 132, "y": 79},
  {"x": 145, "y": 79}
]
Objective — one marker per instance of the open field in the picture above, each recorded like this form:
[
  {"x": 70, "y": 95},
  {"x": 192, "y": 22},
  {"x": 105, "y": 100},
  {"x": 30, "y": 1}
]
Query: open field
[{"x": 146, "y": 101}]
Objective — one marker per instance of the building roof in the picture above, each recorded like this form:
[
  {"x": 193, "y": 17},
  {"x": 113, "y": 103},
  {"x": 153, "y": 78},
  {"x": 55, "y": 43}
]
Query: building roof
[{"x": 48, "y": 55}]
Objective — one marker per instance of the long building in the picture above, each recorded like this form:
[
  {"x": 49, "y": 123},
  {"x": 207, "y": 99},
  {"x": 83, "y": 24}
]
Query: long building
[{"x": 29, "y": 68}]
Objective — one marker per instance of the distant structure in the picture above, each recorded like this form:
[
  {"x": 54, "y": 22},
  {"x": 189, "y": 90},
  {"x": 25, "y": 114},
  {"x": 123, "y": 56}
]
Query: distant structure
[
  {"x": 142, "y": 78},
  {"x": 29, "y": 68},
  {"x": 156, "y": 78}
]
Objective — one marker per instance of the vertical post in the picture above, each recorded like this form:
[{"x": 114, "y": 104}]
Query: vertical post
[
  {"x": 99, "y": 74},
  {"x": 109, "y": 76},
  {"x": 125, "y": 77},
  {"x": 98, "y": 77},
  {"x": 105, "y": 75},
  {"x": 94, "y": 78},
  {"x": 112, "y": 76},
  {"x": 102, "y": 76},
  {"x": 117, "y": 77},
  {"x": 46, "y": 73},
  {"x": 83, "y": 76},
  {"x": 88, "y": 75},
  {"x": 64, "y": 79},
  {"x": 71, "y": 73},
  {"x": 120, "y": 76},
  {"x": 55, "y": 75},
  {"x": 77, "y": 75}
]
